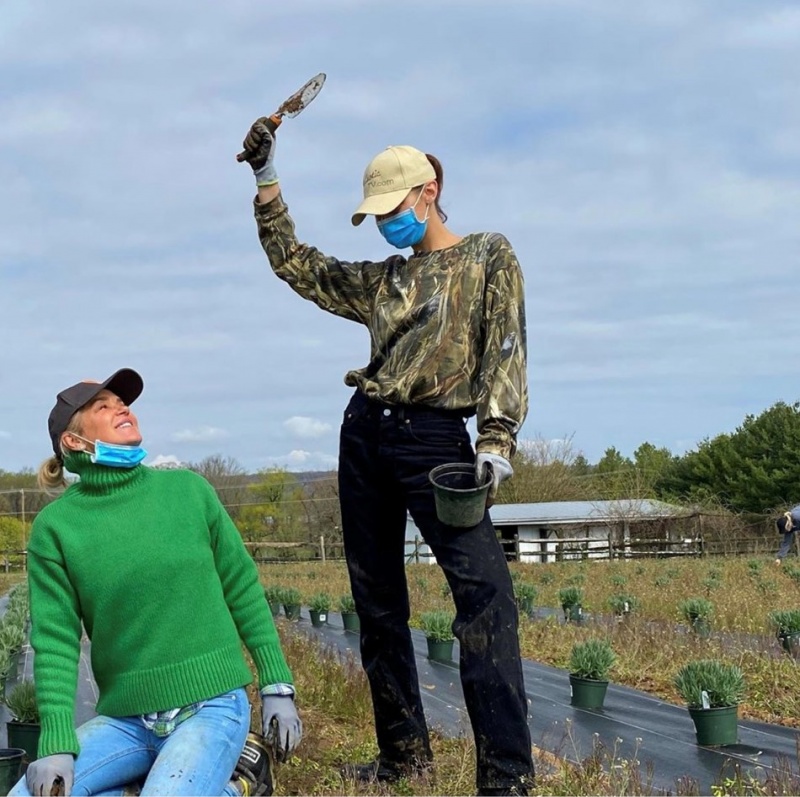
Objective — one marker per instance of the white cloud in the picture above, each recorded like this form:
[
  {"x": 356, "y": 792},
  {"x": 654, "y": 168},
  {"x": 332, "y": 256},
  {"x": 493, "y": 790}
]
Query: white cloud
[
  {"x": 166, "y": 461},
  {"x": 302, "y": 426},
  {"x": 647, "y": 177},
  {"x": 300, "y": 459},
  {"x": 203, "y": 434}
]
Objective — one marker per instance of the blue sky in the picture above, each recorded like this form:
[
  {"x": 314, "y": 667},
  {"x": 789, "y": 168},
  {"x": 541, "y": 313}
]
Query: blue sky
[{"x": 642, "y": 157}]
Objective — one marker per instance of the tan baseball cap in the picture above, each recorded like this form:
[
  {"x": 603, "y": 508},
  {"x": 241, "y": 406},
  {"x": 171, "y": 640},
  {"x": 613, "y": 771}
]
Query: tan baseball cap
[{"x": 389, "y": 177}]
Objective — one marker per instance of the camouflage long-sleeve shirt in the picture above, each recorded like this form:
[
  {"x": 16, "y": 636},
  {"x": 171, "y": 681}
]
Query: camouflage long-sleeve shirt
[{"x": 447, "y": 328}]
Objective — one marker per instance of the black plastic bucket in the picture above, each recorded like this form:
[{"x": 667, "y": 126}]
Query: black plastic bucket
[{"x": 460, "y": 500}]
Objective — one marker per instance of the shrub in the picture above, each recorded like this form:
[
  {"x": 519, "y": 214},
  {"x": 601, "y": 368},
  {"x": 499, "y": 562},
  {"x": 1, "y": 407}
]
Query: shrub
[
  {"x": 722, "y": 683},
  {"x": 591, "y": 659},
  {"x": 12, "y": 636},
  {"x": 320, "y": 602},
  {"x": 622, "y": 603},
  {"x": 570, "y": 596},
  {"x": 525, "y": 594},
  {"x": 786, "y": 621},
  {"x": 290, "y": 596},
  {"x": 696, "y": 609},
  {"x": 273, "y": 593},
  {"x": 21, "y": 702},
  {"x": 618, "y": 581},
  {"x": 347, "y": 604},
  {"x": 437, "y": 626}
]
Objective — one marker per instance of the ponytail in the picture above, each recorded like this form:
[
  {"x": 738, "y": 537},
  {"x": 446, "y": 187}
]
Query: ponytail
[
  {"x": 437, "y": 168},
  {"x": 51, "y": 474}
]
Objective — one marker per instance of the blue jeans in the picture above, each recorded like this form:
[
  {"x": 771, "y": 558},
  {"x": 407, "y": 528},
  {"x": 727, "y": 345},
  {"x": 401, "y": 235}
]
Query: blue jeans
[
  {"x": 788, "y": 539},
  {"x": 385, "y": 455},
  {"x": 197, "y": 758}
]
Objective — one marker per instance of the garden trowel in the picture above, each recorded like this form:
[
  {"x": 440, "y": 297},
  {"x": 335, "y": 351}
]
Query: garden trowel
[{"x": 292, "y": 106}]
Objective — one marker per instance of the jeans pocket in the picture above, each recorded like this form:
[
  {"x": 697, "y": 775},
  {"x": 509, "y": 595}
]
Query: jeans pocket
[
  {"x": 355, "y": 410},
  {"x": 434, "y": 431}
]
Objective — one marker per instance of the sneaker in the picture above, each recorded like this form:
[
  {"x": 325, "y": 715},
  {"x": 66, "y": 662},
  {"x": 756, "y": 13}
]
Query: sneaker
[
  {"x": 253, "y": 772},
  {"x": 382, "y": 772}
]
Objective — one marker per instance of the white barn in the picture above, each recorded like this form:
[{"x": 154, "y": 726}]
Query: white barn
[{"x": 547, "y": 532}]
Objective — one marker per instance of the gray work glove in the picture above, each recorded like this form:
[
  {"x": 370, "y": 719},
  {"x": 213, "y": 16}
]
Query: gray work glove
[
  {"x": 500, "y": 467},
  {"x": 281, "y": 724},
  {"x": 259, "y": 149},
  {"x": 44, "y": 772}
]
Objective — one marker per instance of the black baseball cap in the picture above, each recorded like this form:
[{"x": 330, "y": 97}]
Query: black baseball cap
[{"x": 125, "y": 383}]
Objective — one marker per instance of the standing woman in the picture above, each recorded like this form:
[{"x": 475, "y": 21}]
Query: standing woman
[
  {"x": 151, "y": 565},
  {"x": 447, "y": 331}
]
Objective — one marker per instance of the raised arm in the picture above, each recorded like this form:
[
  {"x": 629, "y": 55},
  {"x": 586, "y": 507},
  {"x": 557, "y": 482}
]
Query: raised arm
[{"x": 340, "y": 287}]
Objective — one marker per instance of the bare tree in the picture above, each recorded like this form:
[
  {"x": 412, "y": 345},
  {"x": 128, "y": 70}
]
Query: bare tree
[
  {"x": 227, "y": 477},
  {"x": 543, "y": 471}
]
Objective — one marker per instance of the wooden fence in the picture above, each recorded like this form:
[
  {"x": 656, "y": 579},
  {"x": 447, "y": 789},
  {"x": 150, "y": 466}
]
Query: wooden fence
[{"x": 549, "y": 550}]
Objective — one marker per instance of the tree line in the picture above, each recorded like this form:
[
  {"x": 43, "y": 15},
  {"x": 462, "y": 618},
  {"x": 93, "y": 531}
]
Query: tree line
[{"x": 754, "y": 469}]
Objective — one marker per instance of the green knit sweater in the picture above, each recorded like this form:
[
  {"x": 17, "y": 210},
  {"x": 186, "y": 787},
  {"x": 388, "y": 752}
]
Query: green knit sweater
[{"x": 153, "y": 566}]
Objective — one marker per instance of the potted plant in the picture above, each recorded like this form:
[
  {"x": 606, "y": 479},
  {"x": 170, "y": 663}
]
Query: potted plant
[
  {"x": 787, "y": 628},
  {"x": 319, "y": 605},
  {"x": 712, "y": 691},
  {"x": 23, "y": 728},
  {"x": 347, "y": 607},
  {"x": 292, "y": 601},
  {"x": 622, "y": 605},
  {"x": 438, "y": 629},
  {"x": 525, "y": 596},
  {"x": 12, "y": 638},
  {"x": 697, "y": 612},
  {"x": 7, "y": 662},
  {"x": 589, "y": 663},
  {"x": 571, "y": 599},
  {"x": 273, "y": 595}
]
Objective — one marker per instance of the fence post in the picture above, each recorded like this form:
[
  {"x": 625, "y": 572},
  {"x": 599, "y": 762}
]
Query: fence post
[
  {"x": 416, "y": 548},
  {"x": 322, "y": 547}
]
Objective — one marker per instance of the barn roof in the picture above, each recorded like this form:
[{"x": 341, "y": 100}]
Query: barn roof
[{"x": 566, "y": 512}]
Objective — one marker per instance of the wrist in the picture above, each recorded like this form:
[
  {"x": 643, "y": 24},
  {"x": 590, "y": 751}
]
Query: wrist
[{"x": 266, "y": 175}]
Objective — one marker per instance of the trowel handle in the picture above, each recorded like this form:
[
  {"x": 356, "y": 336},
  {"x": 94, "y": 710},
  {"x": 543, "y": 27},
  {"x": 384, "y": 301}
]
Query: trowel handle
[{"x": 273, "y": 123}]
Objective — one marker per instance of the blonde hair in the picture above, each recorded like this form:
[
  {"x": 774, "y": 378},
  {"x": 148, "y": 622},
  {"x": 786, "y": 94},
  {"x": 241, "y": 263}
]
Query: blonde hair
[{"x": 50, "y": 476}]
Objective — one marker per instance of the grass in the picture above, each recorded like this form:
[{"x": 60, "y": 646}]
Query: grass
[
  {"x": 653, "y": 644},
  {"x": 335, "y": 707}
]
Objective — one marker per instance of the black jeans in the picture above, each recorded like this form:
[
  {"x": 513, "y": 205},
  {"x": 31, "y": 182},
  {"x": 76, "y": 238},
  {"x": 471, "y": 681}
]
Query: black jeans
[{"x": 385, "y": 455}]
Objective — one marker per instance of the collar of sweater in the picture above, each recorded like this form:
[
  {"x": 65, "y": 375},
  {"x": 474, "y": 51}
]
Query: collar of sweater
[{"x": 100, "y": 479}]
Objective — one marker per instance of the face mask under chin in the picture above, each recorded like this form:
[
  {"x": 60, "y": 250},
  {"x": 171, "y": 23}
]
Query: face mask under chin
[{"x": 114, "y": 455}]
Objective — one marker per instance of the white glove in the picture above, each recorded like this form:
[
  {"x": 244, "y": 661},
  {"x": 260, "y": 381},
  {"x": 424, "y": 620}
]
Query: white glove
[
  {"x": 500, "y": 468},
  {"x": 281, "y": 724},
  {"x": 42, "y": 774}
]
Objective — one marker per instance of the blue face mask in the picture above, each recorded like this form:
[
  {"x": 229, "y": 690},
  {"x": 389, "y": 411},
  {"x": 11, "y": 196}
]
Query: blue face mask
[
  {"x": 113, "y": 455},
  {"x": 404, "y": 229}
]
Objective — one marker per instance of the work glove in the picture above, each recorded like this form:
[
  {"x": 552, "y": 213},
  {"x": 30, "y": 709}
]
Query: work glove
[
  {"x": 259, "y": 151},
  {"x": 500, "y": 468},
  {"x": 281, "y": 724},
  {"x": 43, "y": 773}
]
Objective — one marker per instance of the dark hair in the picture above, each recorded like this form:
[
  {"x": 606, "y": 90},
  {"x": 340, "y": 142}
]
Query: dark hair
[{"x": 437, "y": 168}]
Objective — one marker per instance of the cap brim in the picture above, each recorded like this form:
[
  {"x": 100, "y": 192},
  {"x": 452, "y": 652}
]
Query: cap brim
[
  {"x": 125, "y": 383},
  {"x": 379, "y": 204}
]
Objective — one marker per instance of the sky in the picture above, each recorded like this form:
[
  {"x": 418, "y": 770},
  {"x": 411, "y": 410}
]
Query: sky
[{"x": 642, "y": 157}]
